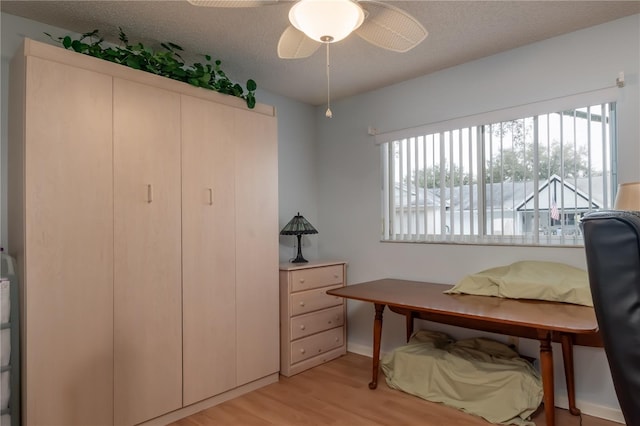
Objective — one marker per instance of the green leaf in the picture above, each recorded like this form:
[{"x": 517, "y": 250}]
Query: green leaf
[
  {"x": 79, "y": 46},
  {"x": 91, "y": 34},
  {"x": 66, "y": 42},
  {"x": 123, "y": 37},
  {"x": 251, "y": 85},
  {"x": 133, "y": 62},
  {"x": 251, "y": 101}
]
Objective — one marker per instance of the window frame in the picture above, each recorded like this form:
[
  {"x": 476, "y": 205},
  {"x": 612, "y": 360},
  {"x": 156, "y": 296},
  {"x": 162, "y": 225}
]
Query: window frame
[{"x": 470, "y": 124}]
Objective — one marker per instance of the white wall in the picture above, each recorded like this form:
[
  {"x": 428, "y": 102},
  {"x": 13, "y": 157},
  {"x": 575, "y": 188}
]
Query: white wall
[
  {"x": 296, "y": 141},
  {"x": 349, "y": 176},
  {"x": 297, "y": 184}
]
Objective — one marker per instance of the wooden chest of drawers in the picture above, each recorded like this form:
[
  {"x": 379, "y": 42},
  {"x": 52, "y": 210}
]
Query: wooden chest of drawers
[{"x": 312, "y": 323}]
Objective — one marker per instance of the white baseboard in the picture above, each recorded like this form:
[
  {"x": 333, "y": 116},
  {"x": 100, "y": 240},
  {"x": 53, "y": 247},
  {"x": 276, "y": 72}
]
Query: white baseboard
[
  {"x": 363, "y": 350},
  {"x": 360, "y": 349},
  {"x": 591, "y": 409},
  {"x": 561, "y": 401}
]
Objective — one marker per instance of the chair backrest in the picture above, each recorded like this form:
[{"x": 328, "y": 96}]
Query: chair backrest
[{"x": 612, "y": 246}]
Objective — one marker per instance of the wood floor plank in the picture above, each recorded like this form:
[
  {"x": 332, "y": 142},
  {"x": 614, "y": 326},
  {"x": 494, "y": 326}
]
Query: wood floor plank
[{"x": 337, "y": 394}]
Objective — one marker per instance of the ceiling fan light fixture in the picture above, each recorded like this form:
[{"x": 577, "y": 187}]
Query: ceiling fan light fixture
[{"x": 326, "y": 21}]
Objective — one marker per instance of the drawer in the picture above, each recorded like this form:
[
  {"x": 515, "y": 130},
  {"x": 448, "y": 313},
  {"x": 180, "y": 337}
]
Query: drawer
[
  {"x": 305, "y": 325},
  {"x": 306, "y": 279},
  {"x": 313, "y": 300},
  {"x": 316, "y": 344}
]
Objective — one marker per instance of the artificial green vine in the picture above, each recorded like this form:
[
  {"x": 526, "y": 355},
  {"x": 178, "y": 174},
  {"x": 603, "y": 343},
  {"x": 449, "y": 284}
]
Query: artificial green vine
[{"x": 167, "y": 63}]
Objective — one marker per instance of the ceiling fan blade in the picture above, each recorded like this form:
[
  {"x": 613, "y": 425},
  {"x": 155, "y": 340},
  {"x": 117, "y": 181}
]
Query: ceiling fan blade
[
  {"x": 294, "y": 44},
  {"x": 232, "y": 3},
  {"x": 389, "y": 27}
]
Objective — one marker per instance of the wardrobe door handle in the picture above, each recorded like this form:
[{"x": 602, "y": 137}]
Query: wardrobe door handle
[
  {"x": 149, "y": 193},
  {"x": 210, "y": 196}
]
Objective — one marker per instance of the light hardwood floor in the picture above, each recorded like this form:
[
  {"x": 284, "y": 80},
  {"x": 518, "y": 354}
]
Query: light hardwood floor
[{"x": 336, "y": 393}]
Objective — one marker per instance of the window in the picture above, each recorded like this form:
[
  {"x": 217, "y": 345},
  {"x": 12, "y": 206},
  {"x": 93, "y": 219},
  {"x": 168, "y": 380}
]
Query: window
[{"x": 520, "y": 181}]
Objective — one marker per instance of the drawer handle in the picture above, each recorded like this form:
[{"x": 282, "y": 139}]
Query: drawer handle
[
  {"x": 335, "y": 276},
  {"x": 302, "y": 351},
  {"x": 329, "y": 321},
  {"x": 337, "y": 340},
  {"x": 302, "y": 327},
  {"x": 301, "y": 303},
  {"x": 319, "y": 350},
  {"x": 301, "y": 280}
]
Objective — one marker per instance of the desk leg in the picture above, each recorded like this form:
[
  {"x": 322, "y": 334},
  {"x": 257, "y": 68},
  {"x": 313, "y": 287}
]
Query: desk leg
[
  {"x": 377, "y": 335},
  {"x": 546, "y": 365},
  {"x": 567, "y": 358},
  {"x": 409, "y": 320}
]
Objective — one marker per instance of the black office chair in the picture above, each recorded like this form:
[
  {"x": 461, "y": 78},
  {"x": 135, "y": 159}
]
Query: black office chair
[{"x": 612, "y": 245}]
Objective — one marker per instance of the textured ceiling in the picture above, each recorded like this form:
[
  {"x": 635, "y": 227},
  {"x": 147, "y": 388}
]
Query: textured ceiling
[{"x": 245, "y": 39}]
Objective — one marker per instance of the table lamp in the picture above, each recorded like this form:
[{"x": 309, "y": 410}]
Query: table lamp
[
  {"x": 298, "y": 226},
  {"x": 628, "y": 197}
]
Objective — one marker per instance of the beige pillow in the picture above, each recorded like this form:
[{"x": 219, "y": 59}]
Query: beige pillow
[{"x": 530, "y": 280}]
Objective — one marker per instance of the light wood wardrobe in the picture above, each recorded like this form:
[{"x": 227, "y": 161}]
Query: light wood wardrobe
[{"x": 143, "y": 215}]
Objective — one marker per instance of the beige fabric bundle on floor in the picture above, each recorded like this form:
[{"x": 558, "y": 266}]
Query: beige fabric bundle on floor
[{"x": 479, "y": 376}]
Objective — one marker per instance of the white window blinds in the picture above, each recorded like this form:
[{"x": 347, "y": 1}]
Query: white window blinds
[{"x": 523, "y": 180}]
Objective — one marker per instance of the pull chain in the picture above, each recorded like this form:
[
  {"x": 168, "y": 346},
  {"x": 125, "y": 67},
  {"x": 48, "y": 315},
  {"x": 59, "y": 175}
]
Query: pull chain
[{"x": 328, "y": 114}]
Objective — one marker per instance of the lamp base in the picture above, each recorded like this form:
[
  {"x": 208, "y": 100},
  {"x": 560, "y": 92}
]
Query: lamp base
[{"x": 299, "y": 258}]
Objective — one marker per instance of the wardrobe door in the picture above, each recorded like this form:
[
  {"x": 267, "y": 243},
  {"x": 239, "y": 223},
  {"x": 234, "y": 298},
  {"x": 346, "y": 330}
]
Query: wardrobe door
[
  {"x": 147, "y": 258},
  {"x": 208, "y": 249},
  {"x": 256, "y": 246},
  {"x": 66, "y": 185}
]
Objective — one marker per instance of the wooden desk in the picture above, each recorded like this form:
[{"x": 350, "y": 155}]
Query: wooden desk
[{"x": 545, "y": 321}]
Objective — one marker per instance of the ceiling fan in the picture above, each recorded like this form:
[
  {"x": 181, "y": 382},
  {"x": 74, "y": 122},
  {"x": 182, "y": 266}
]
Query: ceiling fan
[
  {"x": 318, "y": 22},
  {"x": 327, "y": 21}
]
